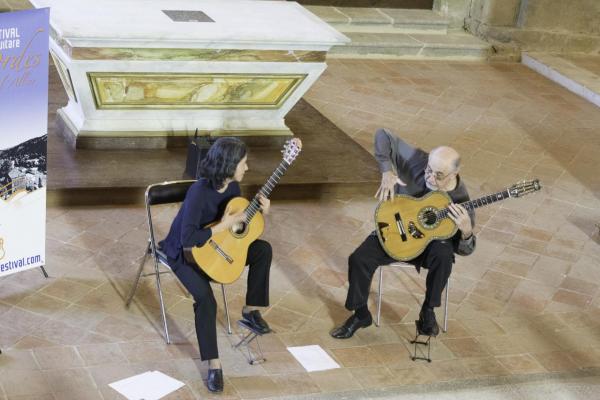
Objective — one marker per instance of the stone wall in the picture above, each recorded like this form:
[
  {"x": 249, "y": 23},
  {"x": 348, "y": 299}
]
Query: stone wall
[
  {"x": 576, "y": 16},
  {"x": 455, "y": 10},
  {"x": 534, "y": 25},
  {"x": 494, "y": 12}
]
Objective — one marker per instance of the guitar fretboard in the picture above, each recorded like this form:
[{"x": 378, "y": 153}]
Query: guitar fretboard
[
  {"x": 480, "y": 202},
  {"x": 266, "y": 190}
]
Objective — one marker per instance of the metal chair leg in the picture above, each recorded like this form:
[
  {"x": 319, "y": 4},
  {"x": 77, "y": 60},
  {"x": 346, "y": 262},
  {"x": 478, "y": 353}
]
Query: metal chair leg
[
  {"x": 162, "y": 303},
  {"x": 446, "y": 306},
  {"x": 379, "y": 295},
  {"x": 137, "y": 279},
  {"x": 226, "y": 309}
]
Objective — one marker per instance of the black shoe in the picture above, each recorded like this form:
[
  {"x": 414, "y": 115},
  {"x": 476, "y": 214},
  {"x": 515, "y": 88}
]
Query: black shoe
[
  {"x": 257, "y": 321},
  {"x": 214, "y": 381},
  {"x": 351, "y": 325},
  {"x": 426, "y": 324}
]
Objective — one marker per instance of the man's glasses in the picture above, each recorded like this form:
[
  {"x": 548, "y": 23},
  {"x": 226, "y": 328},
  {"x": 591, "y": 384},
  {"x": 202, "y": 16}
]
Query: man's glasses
[{"x": 438, "y": 175}]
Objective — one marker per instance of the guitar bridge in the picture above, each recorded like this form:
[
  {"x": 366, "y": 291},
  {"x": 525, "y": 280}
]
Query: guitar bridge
[
  {"x": 400, "y": 226},
  {"x": 220, "y": 251},
  {"x": 414, "y": 231}
]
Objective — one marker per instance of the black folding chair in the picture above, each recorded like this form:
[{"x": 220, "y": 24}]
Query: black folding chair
[{"x": 160, "y": 194}]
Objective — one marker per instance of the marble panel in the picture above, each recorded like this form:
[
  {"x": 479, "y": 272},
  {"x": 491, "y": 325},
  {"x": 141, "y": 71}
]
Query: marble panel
[{"x": 187, "y": 91}]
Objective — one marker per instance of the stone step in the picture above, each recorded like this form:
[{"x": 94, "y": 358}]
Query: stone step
[
  {"x": 378, "y": 20},
  {"x": 579, "y": 73},
  {"x": 412, "y": 46}
]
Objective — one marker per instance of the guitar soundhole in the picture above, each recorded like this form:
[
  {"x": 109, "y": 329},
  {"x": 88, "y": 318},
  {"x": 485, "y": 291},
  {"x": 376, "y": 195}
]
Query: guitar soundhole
[
  {"x": 428, "y": 218},
  {"x": 240, "y": 228}
]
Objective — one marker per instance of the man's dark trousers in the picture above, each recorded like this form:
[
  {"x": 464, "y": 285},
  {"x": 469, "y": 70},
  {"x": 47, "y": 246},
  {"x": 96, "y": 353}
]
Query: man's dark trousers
[{"x": 437, "y": 258}]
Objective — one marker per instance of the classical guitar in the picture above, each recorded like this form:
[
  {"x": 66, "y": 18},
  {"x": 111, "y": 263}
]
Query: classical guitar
[
  {"x": 223, "y": 256},
  {"x": 406, "y": 225}
]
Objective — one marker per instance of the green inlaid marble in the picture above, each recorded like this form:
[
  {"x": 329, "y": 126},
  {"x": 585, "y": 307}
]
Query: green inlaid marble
[
  {"x": 139, "y": 54},
  {"x": 191, "y": 91}
]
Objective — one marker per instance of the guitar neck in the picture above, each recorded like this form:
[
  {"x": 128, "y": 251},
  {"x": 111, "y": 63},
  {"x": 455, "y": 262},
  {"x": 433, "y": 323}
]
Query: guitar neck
[
  {"x": 266, "y": 190},
  {"x": 477, "y": 203}
]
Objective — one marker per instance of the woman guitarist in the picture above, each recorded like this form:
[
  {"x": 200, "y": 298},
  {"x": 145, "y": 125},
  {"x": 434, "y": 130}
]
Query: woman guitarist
[{"x": 222, "y": 169}]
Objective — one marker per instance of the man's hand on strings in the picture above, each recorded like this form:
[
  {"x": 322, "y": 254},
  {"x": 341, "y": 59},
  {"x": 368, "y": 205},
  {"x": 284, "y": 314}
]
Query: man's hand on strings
[{"x": 461, "y": 218}]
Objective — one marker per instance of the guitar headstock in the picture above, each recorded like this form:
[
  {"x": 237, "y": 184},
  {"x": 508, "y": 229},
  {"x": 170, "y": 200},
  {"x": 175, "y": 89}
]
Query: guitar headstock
[
  {"x": 291, "y": 149},
  {"x": 522, "y": 188}
]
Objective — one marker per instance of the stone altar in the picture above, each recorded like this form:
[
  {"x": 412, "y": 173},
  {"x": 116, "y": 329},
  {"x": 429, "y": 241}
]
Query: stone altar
[{"x": 140, "y": 74}]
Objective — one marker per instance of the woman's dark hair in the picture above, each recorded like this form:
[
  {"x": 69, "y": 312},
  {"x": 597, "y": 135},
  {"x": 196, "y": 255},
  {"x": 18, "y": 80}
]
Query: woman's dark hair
[{"x": 221, "y": 160}]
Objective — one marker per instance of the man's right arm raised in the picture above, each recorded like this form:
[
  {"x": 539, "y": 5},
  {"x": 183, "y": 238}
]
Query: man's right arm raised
[
  {"x": 391, "y": 154},
  {"x": 390, "y": 150}
]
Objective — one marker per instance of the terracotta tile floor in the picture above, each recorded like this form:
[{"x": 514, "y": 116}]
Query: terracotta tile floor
[{"x": 526, "y": 303}]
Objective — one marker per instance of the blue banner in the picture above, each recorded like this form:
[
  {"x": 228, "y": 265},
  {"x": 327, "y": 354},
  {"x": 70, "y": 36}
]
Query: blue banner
[{"x": 24, "y": 37}]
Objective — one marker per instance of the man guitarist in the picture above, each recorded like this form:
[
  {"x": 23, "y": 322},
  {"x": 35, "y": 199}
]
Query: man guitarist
[
  {"x": 222, "y": 169},
  {"x": 411, "y": 171}
]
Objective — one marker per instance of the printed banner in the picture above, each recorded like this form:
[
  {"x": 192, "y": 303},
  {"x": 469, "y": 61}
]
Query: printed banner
[{"x": 23, "y": 138}]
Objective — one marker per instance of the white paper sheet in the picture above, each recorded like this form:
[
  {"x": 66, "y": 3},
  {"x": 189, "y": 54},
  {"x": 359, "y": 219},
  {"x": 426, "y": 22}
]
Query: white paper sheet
[
  {"x": 151, "y": 385},
  {"x": 313, "y": 358}
]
